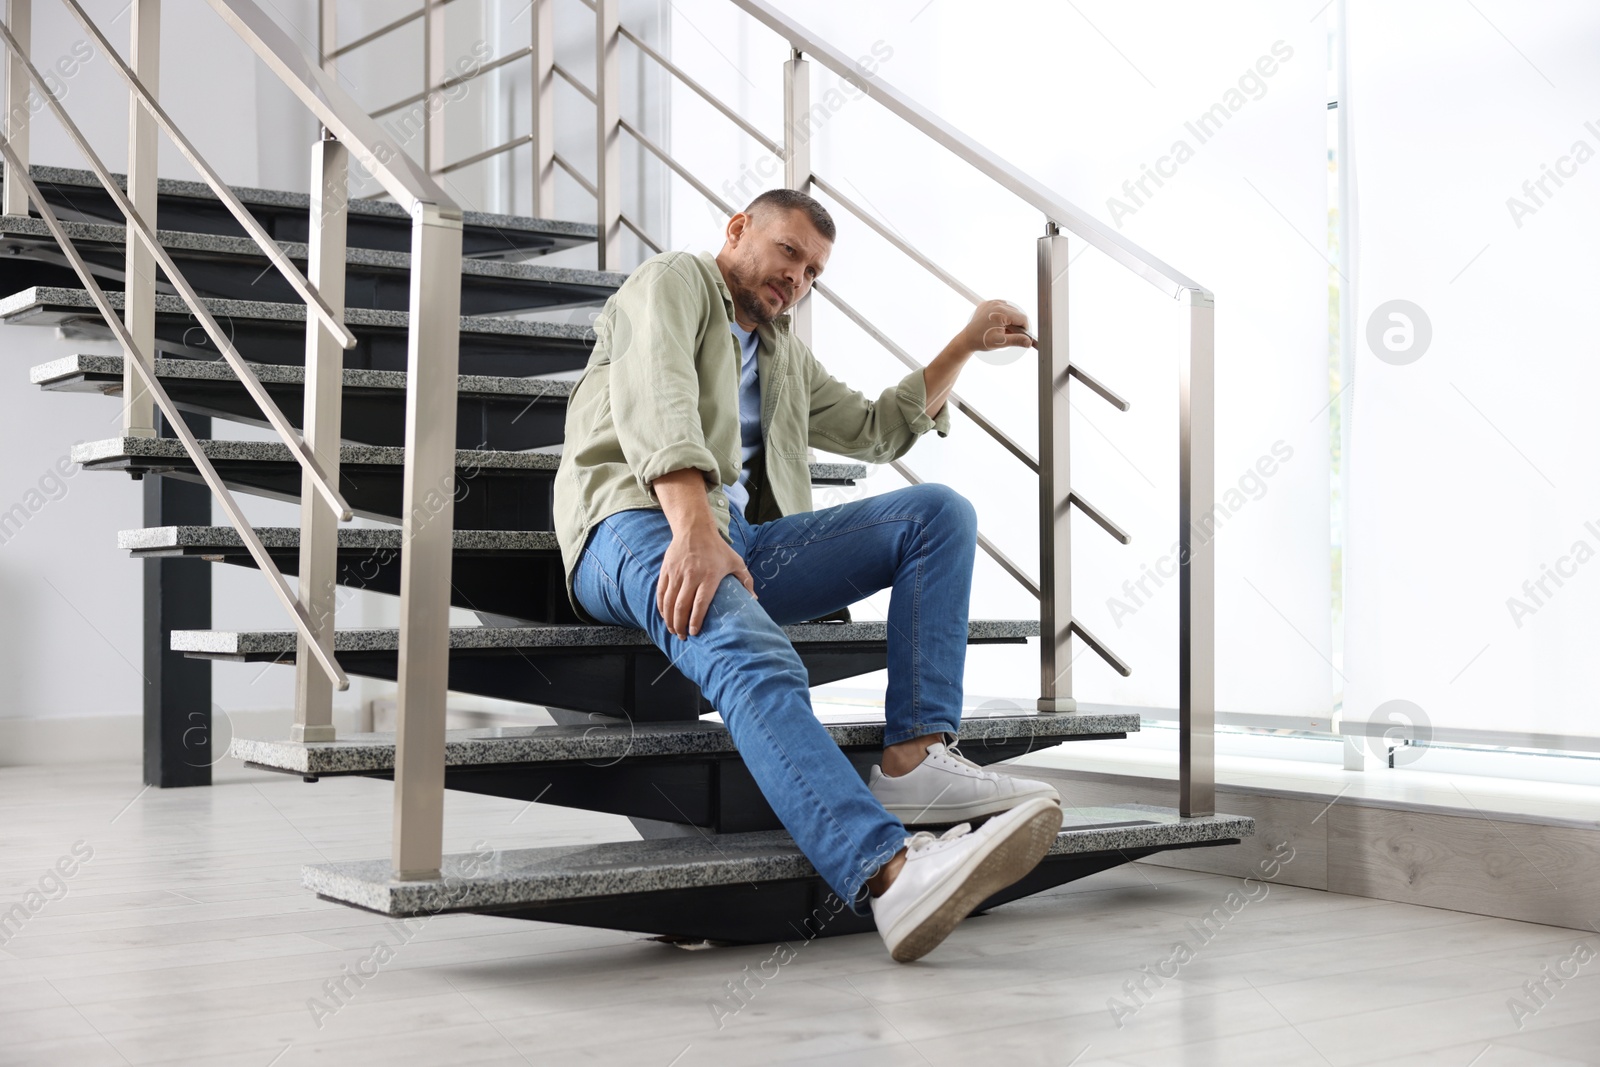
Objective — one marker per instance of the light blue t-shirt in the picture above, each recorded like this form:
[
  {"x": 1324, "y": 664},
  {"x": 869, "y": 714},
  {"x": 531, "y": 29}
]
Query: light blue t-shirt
[{"x": 749, "y": 416}]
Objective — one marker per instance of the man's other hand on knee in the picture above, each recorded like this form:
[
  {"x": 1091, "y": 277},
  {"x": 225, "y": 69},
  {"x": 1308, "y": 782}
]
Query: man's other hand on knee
[{"x": 698, "y": 558}]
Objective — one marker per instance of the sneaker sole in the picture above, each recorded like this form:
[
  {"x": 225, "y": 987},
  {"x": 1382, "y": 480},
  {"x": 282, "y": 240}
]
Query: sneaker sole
[
  {"x": 1005, "y": 861},
  {"x": 949, "y": 815}
]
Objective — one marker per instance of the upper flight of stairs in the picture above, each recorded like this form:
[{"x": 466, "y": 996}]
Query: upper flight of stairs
[{"x": 629, "y": 738}]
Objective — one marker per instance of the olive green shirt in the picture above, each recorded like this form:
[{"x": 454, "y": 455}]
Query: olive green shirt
[{"x": 661, "y": 393}]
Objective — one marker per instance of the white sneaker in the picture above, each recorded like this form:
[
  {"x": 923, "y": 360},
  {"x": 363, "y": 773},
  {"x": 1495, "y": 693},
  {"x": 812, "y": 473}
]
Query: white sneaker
[
  {"x": 945, "y": 877},
  {"x": 946, "y": 788}
]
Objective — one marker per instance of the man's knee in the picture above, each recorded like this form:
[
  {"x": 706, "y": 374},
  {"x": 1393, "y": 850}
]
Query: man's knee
[{"x": 941, "y": 504}]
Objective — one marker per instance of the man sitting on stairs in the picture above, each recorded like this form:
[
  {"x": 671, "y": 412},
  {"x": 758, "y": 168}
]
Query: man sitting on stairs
[{"x": 683, "y": 507}]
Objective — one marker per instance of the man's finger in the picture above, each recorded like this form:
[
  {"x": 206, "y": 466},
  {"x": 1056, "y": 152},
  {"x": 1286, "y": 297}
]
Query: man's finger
[
  {"x": 702, "y": 600},
  {"x": 743, "y": 574}
]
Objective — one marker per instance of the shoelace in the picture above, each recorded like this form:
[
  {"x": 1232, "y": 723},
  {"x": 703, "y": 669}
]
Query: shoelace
[
  {"x": 955, "y": 753},
  {"x": 923, "y": 838}
]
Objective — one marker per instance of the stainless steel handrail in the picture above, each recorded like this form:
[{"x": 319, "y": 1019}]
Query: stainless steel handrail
[
  {"x": 1027, "y": 188},
  {"x": 883, "y": 230},
  {"x": 403, "y": 179},
  {"x": 705, "y": 94}
]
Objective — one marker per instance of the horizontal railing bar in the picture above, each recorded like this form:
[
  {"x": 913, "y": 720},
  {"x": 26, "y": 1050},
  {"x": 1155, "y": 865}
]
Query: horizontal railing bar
[
  {"x": 142, "y": 231},
  {"x": 380, "y": 31},
  {"x": 882, "y": 230},
  {"x": 1100, "y": 649},
  {"x": 677, "y": 168},
  {"x": 899, "y": 353},
  {"x": 1093, "y": 383},
  {"x": 705, "y": 94},
  {"x": 572, "y": 80},
  {"x": 153, "y": 385},
  {"x": 479, "y": 157},
  {"x": 984, "y": 543},
  {"x": 290, "y": 272},
  {"x": 1029, "y": 189},
  {"x": 640, "y": 234},
  {"x": 1075, "y": 499},
  {"x": 561, "y": 161},
  {"x": 451, "y": 83}
]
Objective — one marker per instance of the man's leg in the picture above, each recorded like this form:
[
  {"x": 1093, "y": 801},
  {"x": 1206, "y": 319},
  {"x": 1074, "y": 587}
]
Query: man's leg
[
  {"x": 919, "y": 542},
  {"x": 747, "y": 668}
]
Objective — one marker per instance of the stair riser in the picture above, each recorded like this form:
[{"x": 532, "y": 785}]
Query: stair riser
[
  {"x": 26, "y": 262},
  {"x": 789, "y": 912},
  {"x": 530, "y": 586},
  {"x": 377, "y": 347},
  {"x": 632, "y": 681},
  {"x": 715, "y": 793},
  {"x": 368, "y": 416},
  {"x": 91, "y": 203},
  {"x": 486, "y": 498}
]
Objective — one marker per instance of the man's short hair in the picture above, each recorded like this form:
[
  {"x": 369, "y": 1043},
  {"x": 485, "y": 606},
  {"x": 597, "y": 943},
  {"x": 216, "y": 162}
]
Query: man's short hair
[{"x": 795, "y": 200}]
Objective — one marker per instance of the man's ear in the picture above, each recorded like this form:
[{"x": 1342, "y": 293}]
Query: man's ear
[{"x": 737, "y": 226}]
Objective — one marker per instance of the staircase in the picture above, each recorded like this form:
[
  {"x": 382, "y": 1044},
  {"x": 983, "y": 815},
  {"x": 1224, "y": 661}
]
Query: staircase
[{"x": 712, "y": 861}]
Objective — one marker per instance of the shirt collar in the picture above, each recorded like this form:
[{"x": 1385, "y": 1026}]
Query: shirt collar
[{"x": 779, "y": 324}]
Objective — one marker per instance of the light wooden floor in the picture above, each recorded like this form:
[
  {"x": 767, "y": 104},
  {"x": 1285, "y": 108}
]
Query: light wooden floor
[{"x": 186, "y": 939}]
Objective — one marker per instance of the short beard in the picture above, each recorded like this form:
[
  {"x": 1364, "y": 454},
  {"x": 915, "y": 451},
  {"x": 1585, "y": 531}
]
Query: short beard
[{"x": 748, "y": 301}]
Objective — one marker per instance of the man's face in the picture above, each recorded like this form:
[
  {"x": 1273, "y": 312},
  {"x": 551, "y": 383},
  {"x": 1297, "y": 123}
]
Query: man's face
[{"x": 770, "y": 261}]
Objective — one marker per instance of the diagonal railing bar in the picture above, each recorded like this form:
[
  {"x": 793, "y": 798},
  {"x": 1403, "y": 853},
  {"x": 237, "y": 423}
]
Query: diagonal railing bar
[
  {"x": 191, "y": 445},
  {"x": 247, "y": 377},
  {"x": 640, "y": 234},
  {"x": 1075, "y": 499},
  {"x": 705, "y": 94},
  {"x": 1105, "y": 392},
  {"x": 573, "y": 80},
  {"x": 451, "y": 83},
  {"x": 565, "y": 164},
  {"x": 1000, "y": 436},
  {"x": 677, "y": 168},
  {"x": 290, "y": 272},
  {"x": 882, "y": 230},
  {"x": 1006, "y": 562}
]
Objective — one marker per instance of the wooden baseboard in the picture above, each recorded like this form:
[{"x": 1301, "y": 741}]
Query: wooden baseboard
[{"x": 1483, "y": 863}]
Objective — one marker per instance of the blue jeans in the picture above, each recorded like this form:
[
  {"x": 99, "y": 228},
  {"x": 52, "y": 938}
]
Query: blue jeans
[{"x": 917, "y": 541}]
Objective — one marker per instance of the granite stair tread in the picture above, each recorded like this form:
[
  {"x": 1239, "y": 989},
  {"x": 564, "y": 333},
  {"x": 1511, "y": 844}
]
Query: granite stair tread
[
  {"x": 607, "y": 738},
  {"x": 546, "y": 459},
  {"x": 498, "y": 412},
  {"x": 221, "y": 266},
  {"x": 503, "y": 880},
  {"x": 271, "y": 642},
  {"x": 374, "y": 223},
  {"x": 157, "y": 538},
  {"x": 74, "y": 366},
  {"x": 38, "y": 301}
]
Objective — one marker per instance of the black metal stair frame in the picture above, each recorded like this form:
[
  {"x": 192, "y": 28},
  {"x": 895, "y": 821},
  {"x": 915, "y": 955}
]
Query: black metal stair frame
[{"x": 716, "y": 864}]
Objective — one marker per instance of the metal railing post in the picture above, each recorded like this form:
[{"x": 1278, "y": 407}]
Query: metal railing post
[
  {"x": 1197, "y": 580},
  {"x": 542, "y": 136},
  {"x": 433, "y": 73},
  {"x": 608, "y": 134},
  {"x": 19, "y": 16},
  {"x": 139, "y": 307},
  {"x": 319, "y": 526},
  {"x": 426, "y": 536},
  {"x": 1055, "y": 478},
  {"x": 797, "y": 158},
  {"x": 327, "y": 34}
]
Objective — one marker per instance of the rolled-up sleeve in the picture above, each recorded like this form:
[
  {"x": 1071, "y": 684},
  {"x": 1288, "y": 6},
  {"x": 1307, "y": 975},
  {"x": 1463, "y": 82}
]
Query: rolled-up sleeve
[
  {"x": 848, "y": 423},
  {"x": 652, "y": 327}
]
